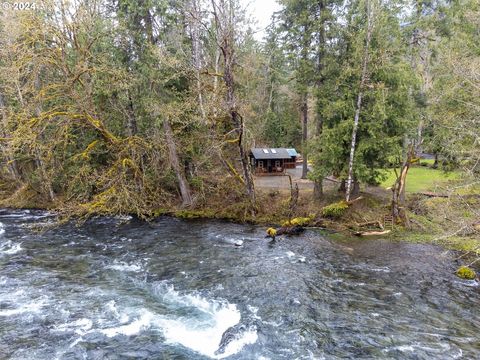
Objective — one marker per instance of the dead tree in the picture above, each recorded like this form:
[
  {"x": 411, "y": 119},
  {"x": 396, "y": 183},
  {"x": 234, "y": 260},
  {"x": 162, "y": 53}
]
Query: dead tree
[
  {"x": 193, "y": 15},
  {"x": 398, "y": 190},
  {"x": 225, "y": 22},
  {"x": 293, "y": 201},
  {"x": 172, "y": 151}
]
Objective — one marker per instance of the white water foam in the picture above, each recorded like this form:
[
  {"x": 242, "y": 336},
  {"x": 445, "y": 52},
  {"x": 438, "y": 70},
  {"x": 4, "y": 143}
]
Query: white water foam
[
  {"x": 200, "y": 332},
  {"x": 10, "y": 248},
  {"x": 248, "y": 337},
  {"x": 80, "y": 326},
  {"x": 204, "y": 333},
  {"x": 143, "y": 322},
  {"x": 384, "y": 269},
  {"x": 2, "y": 229},
  {"x": 112, "y": 307},
  {"x": 123, "y": 266},
  {"x": 32, "y": 307}
]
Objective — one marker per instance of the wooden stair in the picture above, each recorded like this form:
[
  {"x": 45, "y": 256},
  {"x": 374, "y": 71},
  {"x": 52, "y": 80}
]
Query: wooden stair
[{"x": 388, "y": 222}]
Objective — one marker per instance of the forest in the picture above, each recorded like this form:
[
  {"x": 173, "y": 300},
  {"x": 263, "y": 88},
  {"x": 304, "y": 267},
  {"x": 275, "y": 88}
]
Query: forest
[{"x": 151, "y": 107}]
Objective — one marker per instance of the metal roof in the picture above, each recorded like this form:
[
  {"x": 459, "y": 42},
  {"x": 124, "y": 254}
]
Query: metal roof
[
  {"x": 272, "y": 153},
  {"x": 292, "y": 152}
]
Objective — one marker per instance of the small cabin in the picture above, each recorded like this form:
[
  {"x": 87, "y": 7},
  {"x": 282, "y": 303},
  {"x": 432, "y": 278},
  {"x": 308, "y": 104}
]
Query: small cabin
[{"x": 272, "y": 161}]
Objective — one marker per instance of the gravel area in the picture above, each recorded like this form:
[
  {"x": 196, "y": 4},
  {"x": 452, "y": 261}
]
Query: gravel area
[{"x": 282, "y": 182}]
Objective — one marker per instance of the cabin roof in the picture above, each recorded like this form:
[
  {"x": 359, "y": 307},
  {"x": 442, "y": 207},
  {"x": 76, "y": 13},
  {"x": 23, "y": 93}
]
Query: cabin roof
[
  {"x": 292, "y": 152},
  {"x": 272, "y": 153}
]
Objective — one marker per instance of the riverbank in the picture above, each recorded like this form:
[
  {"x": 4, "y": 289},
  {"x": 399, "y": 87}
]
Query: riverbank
[{"x": 429, "y": 223}]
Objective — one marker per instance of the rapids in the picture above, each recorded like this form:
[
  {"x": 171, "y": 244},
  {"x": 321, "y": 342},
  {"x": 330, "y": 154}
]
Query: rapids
[{"x": 119, "y": 288}]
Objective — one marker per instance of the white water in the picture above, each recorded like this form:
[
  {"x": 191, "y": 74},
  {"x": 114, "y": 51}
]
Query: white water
[
  {"x": 21, "y": 303},
  {"x": 200, "y": 331},
  {"x": 123, "y": 266},
  {"x": 9, "y": 248}
]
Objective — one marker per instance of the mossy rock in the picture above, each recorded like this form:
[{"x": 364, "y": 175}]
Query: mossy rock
[
  {"x": 271, "y": 232},
  {"x": 464, "y": 272},
  {"x": 335, "y": 210},
  {"x": 300, "y": 221}
]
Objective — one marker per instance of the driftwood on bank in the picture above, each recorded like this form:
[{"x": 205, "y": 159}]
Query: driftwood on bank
[
  {"x": 371, "y": 233},
  {"x": 350, "y": 202},
  {"x": 432, "y": 194}
]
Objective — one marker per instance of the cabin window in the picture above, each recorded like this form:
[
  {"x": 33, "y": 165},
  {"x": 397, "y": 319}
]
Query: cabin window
[
  {"x": 277, "y": 163},
  {"x": 260, "y": 164}
]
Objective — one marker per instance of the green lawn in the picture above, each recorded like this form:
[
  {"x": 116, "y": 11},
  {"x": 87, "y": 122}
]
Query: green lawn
[{"x": 421, "y": 178}]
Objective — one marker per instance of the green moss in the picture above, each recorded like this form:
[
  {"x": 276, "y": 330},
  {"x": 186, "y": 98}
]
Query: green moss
[
  {"x": 300, "y": 221},
  {"x": 464, "y": 272},
  {"x": 194, "y": 214},
  {"x": 160, "y": 212},
  {"x": 335, "y": 210},
  {"x": 271, "y": 232}
]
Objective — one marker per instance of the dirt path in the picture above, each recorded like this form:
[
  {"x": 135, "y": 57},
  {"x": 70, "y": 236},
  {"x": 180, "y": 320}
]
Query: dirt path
[{"x": 282, "y": 183}]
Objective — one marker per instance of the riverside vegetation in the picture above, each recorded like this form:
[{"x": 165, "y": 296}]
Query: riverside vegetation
[{"x": 149, "y": 108}]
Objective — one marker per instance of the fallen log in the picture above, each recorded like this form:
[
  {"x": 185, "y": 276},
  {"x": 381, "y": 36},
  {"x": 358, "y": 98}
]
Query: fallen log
[
  {"x": 354, "y": 200},
  {"x": 371, "y": 233},
  {"x": 432, "y": 194}
]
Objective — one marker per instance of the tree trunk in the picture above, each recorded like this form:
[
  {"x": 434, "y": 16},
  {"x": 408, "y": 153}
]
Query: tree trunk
[
  {"x": 435, "y": 162},
  {"x": 359, "y": 102},
  {"x": 398, "y": 197},
  {"x": 12, "y": 166},
  {"x": 131, "y": 118},
  {"x": 196, "y": 53},
  {"x": 172, "y": 150},
  {"x": 224, "y": 22},
  {"x": 46, "y": 181},
  {"x": 318, "y": 189},
  {"x": 318, "y": 183},
  {"x": 304, "y": 135},
  {"x": 356, "y": 187},
  {"x": 215, "y": 83},
  {"x": 237, "y": 121}
]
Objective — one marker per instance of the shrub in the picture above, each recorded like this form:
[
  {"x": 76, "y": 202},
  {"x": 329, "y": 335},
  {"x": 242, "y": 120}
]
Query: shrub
[{"x": 335, "y": 210}]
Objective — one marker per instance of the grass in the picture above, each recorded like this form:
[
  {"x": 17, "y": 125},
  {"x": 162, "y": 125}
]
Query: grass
[{"x": 421, "y": 178}]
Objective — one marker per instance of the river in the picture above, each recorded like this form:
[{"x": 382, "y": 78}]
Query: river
[{"x": 120, "y": 288}]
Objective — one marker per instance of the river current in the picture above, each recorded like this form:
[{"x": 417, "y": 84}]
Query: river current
[{"x": 120, "y": 288}]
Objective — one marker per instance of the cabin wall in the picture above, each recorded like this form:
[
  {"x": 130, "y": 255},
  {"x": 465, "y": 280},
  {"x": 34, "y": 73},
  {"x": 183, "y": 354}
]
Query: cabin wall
[
  {"x": 290, "y": 163},
  {"x": 268, "y": 166}
]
